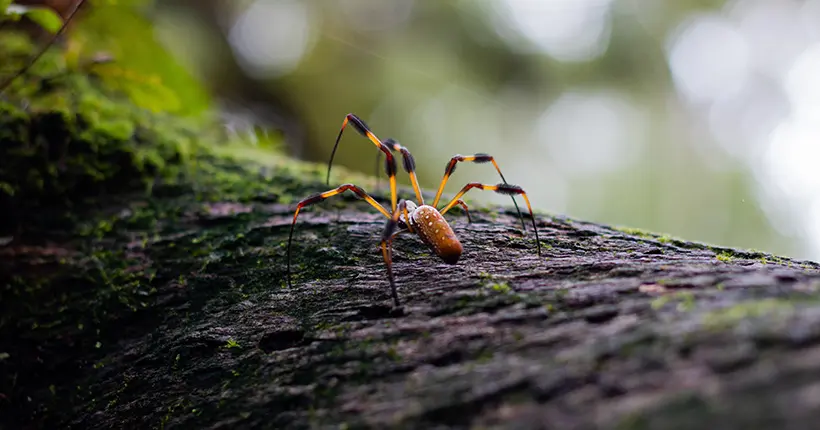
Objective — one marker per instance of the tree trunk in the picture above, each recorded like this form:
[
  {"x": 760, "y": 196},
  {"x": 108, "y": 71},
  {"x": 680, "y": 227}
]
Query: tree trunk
[{"x": 172, "y": 309}]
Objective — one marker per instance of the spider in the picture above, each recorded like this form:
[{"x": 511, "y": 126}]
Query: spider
[{"x": 424, "y": 220}]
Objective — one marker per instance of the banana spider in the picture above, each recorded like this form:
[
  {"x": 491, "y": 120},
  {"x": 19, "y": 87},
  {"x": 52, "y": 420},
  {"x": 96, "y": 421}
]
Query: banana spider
[{"x": 424, "y": 220}]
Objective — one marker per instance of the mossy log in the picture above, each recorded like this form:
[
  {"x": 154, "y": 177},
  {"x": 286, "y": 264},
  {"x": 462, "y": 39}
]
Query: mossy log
[{"x": 169, "y": 308}]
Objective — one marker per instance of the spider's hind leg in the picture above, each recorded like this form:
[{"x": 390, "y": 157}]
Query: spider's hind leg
[
  {"x": 507, "y": 189},
  {"x": 387, "y": 247},
  {"x": 480, "y": 159}
]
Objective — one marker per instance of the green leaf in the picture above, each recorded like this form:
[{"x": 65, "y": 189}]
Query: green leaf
[
  {"x": 4, "y": 4},
  {"x": 46, "y": 17}
]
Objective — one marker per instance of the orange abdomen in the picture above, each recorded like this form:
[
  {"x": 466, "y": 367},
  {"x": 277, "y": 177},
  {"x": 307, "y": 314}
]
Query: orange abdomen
[{"x": 433, "y": 229}]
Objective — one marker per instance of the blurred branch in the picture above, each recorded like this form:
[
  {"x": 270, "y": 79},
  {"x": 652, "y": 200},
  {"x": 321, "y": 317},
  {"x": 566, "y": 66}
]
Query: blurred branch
[{"x": 45, "y": 47}]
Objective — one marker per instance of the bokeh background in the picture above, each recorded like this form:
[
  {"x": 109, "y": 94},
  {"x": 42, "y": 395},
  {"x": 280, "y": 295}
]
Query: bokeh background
[{"x": 695, "y": 118}]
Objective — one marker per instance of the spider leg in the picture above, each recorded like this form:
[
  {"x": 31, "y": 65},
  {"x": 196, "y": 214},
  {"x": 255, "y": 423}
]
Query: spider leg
[
  {"x": 400, "y": 231},
  {"x": 364, "y": 130},
  {"x": 403, "y": 210},
  {"x": 316, "y": 198},
  {"x": 501, "y": 189},
  {"x": 387, "y": 248},
  {"x": 466, "y": 209},
  {"x": 409, "y": 166},
  {"x": 476, "y": 158}
]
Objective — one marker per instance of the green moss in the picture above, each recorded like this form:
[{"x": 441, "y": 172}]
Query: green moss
[
  {"x": 502, "y": 287},
  {"x": 665, "y": 239},
  {"x": 65, "y": 146},
  {"x": 731, "y": 316},
  {"x": 725, "y": 257},
  {"x": 685, "y": 301},
  {"x": 491, "y": 286},
  {"x": 662, "y": 238},
  {"x": 67, "y": 137},
  {"x": 737, "y": 254},
  {"x": 635, "y": 232},
  {"x": 659, "y": 302}
]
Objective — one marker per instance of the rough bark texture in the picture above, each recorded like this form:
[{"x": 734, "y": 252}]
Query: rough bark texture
[{"x": 173, "y": 311}]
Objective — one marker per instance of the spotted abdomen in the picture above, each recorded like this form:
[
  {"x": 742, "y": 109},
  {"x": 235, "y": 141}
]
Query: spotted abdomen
[{"x": 433, "y": 229}]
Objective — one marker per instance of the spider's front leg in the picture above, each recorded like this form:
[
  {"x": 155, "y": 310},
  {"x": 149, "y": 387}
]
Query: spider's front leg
[
  {"x": 316, "y": 198},
  {"x": 390, "y": 161}
]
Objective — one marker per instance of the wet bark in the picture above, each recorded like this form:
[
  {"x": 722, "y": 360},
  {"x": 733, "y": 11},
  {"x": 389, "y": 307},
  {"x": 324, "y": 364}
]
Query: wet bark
[{"x": 178, "y": 315}]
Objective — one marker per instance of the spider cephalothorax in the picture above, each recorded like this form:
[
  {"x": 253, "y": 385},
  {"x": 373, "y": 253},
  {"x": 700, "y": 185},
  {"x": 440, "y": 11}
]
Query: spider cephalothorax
[{"x": 424, "y": 220}]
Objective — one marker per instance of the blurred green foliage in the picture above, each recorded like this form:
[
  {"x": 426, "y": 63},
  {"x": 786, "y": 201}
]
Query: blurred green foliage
[
  {"x": 117, "y": 29},
  {"x": 142, "y": 67},
  {"x": 73, "y": 128}
]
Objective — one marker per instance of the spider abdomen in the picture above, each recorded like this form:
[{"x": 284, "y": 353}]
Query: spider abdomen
[{"x": 434, "y": 230}]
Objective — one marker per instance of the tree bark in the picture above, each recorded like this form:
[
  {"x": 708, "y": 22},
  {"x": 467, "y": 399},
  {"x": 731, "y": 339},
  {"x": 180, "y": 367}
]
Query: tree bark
[{"x": 173, "y": 310}]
